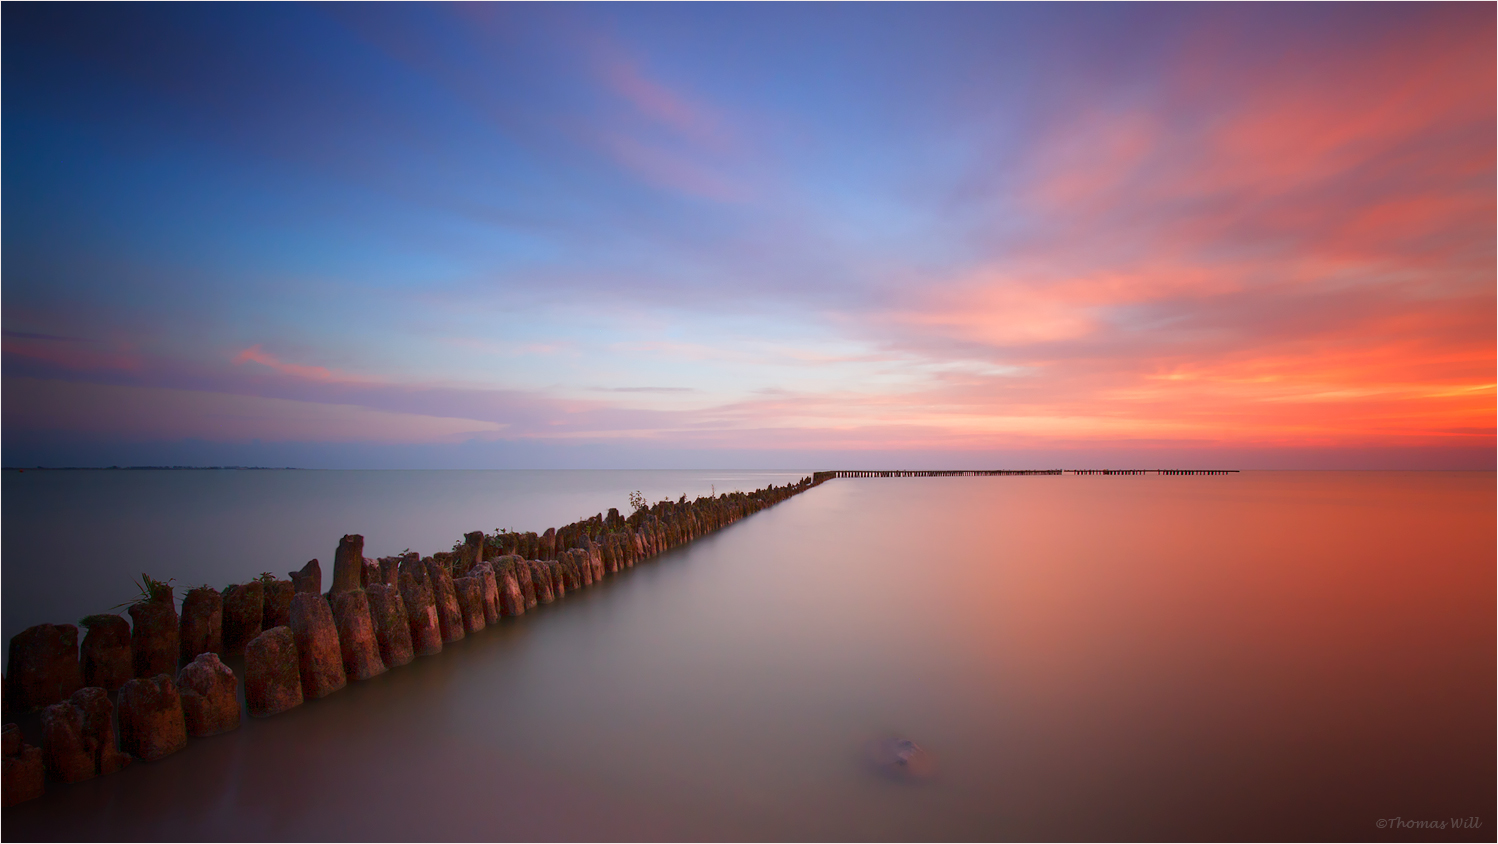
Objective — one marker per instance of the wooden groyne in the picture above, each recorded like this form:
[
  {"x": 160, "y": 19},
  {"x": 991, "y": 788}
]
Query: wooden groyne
[
  {"x": 161, "y": 679},
  {"x": 964, "y": 473},
  {"x": 159, "y": 676}
]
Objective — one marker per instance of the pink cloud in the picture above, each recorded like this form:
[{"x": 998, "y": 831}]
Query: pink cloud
[
  {"x": 71, "y": 353},
  {"x": 255, "y": 354},
  {"x": 672, "y": 170},
  {"x": 1302, "y": 254},
  {"x": 654, "y": 100},
  {"x": 667, "y": 138}
]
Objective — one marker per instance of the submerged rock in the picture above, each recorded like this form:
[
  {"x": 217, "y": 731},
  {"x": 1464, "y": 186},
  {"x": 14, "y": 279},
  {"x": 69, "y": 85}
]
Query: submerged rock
[{"x": 901, "y": 759}]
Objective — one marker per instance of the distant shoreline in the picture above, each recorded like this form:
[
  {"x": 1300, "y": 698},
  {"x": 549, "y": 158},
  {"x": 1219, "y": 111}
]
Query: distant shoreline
[{"x": 133, "y": 468}]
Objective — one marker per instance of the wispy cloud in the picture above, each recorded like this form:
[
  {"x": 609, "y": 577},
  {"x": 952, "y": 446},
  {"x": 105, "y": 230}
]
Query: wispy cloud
[
  {"x": 73, "y": 353},
  {"x": 1268, "y": 226},
  {"x": 256, "y": 354},
  {"x": 671, "y": 109}
]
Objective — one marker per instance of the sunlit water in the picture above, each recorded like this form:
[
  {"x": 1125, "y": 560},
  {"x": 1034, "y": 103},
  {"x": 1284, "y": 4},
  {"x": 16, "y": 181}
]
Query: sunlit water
[{"x": 1260, "y": 656}]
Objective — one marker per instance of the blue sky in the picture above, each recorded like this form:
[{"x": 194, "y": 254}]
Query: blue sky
[{"x": 762, "y": 234}]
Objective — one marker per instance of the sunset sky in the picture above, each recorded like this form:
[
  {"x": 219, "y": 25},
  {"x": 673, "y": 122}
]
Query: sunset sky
[{"x": 830, "y": 236}]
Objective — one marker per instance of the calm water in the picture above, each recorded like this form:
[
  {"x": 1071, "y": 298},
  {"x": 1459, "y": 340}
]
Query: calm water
[
  {"x": 73, "y": 540},
  {"x": 1261, "y": 656}
]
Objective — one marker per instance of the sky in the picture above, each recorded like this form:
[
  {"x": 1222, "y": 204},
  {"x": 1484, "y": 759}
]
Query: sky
[{"x": 741, "y": 235}]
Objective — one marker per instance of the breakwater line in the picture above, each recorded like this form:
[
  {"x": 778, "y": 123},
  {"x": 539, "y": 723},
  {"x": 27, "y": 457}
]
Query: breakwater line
[
  {"x": 140, "y": 688},
  {"x": 966, "y": 473}
]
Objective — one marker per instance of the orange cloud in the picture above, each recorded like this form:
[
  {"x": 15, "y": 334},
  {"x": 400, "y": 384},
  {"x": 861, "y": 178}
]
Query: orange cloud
[{"x": 1304, "y": 254}]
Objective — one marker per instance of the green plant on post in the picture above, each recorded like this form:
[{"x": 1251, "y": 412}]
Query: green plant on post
[{"x": 150, "y": 589}]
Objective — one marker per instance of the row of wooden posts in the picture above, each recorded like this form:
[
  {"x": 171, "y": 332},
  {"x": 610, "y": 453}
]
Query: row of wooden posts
[
  {"x": 960, "y": 473},
  {"x": 168, "y": 682}
]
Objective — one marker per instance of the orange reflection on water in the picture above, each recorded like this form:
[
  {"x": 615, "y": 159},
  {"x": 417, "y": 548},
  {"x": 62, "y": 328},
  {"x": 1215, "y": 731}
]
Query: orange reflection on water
[{"x": 1263, "y": 656}]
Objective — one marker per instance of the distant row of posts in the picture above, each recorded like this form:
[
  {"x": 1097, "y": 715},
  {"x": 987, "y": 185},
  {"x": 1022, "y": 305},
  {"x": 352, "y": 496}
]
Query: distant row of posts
[{"x": 958, "y": 473}]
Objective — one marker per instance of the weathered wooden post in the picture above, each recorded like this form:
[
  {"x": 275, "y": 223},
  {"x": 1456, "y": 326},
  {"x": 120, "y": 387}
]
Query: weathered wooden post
[
  {"x": 272, "y": 673},
  {"x": 244, "y": 612},
  {"x": 277, "y": 608},
  {"x": 391, "y": 625},
  {"x": 318, "y": 655},
  {"x": 151, "y": 722},
  {"x": 68, "y": 753},
  {"x": 309, "y": 579},
  {"x": 445, "y": 594},
  {"x": 153, "y": 633},
  {"x": 44, "y": 669},
  {"x": 107, "y": 661},
  {"x": 488, "y": 591},
  {"x": 25, "y": 774},
  {"x": 356, "y": 635},
  {"x": 421, "y": 610},
  {"x": 202, "y": 624},
  {"x": 98, "y": 725},
  {"x": 210, "y": 696}
]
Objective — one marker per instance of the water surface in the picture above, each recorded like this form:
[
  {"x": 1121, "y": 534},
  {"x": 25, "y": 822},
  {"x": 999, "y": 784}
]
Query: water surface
[
  {"x": 74, "y": 539},
  {"x": 1262, "y": 656}
]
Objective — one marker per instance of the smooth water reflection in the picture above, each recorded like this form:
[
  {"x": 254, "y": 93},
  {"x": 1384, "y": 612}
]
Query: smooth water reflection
[
  {"x": 1263, "y": 656},
  {"x": 74, "y": 539}
]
